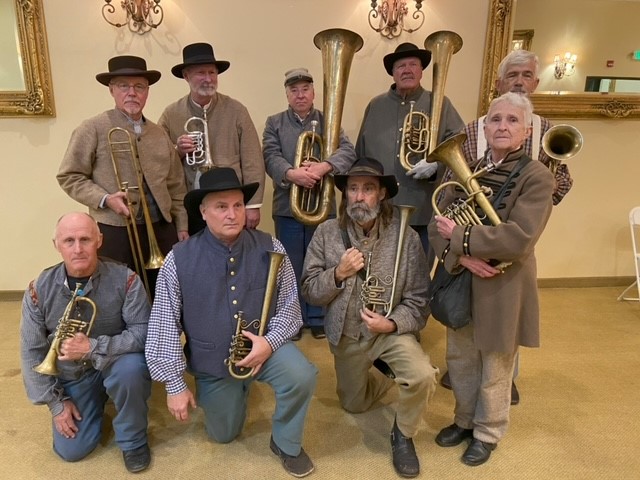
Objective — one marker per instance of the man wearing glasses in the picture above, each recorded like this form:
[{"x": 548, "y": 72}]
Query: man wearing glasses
[{"x": 87, "y": 174}]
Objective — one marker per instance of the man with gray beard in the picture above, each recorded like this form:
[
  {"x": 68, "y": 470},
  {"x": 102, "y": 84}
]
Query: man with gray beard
[{"x": 348, "y": 269}]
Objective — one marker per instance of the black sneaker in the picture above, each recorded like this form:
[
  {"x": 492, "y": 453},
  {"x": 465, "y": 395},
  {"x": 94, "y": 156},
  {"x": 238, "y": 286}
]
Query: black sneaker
[
  {"x": 299, "y": 466},
  {"x": 318, "y": 332},
  {"x": 138, "y": 459}
]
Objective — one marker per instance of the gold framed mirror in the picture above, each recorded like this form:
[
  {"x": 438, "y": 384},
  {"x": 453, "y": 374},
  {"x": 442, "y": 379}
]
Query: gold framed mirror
[
  {"x": 25, "y": 90},
  {"x": 571, "y": 105}
]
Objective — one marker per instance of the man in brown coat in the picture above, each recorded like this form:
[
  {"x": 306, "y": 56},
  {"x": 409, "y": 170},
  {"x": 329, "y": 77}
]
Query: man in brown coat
[{"x": 87, "y": 173}]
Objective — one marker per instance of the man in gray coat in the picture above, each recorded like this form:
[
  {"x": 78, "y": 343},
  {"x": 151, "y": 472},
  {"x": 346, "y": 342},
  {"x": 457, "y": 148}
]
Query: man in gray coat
[{"x": 348, "y": 262}]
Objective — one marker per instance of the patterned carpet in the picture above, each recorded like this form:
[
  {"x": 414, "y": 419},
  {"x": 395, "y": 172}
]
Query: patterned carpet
[{"x": 578, "y": 418}]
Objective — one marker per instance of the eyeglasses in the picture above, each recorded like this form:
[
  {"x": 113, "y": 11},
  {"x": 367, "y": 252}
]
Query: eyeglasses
[{"x": 125, "y": 87}]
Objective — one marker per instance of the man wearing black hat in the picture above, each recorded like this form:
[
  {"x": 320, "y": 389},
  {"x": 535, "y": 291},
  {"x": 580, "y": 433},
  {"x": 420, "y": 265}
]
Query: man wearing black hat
[
  {"x": 380, "y": 134},
  {"x": 87, "y": 174},
  {"x": 349, "y": 259},
  {"x": 279, "y": 147},
  {"x": 232, "y": 137},
  {"x": 206, "y": 285}
]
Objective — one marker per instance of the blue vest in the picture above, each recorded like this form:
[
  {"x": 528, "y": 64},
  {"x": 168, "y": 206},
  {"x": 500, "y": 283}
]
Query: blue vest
[{"x": 217, "y": 282}]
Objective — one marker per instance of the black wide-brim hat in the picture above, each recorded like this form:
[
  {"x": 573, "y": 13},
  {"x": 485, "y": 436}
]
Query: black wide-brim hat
[
  {"x": 368, "y": 167},
  {"x": 405, "y": 50},
  {"x": 199, "y": 54},
  {"x": 217, "y": 180},
  {"x": 128, "y": 66}
]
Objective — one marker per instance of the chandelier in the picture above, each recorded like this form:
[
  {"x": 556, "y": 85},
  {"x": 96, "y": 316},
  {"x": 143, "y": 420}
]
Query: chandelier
[
  {"x": 141, "y": 15},
  {"x": 391, "y": 15}
]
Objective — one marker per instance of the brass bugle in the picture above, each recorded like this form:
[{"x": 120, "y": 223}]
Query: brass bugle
[
  {"x": 241, "y": 345},
  {"x": 127, "y": 147},
  {"x": 560, "y": 143}
]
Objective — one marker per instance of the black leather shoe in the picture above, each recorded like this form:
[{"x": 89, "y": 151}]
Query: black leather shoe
[
  {"x": 445, "y": 381},
  {"x": 405, "y": 460},
  {"x": 515, "y": 395},
  {"x": 299, "y": 466},
  {"x": 477, "y": 453},
  {"x": 318, "y": 332},
  {"x": 138, "y": 459},
  {"x": 384, "y": 368},
  {"x": 453, "y": 435},
  {"x": 297, "y": 336}
]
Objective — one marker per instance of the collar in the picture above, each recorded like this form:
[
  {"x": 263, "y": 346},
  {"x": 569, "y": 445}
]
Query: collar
[{"x": 415, "y": 95}]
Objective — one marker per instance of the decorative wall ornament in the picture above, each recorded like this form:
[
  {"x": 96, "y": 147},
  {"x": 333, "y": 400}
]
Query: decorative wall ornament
[
  {"x": 139, "y": 15},
  {"x": 391, "y": 15}
]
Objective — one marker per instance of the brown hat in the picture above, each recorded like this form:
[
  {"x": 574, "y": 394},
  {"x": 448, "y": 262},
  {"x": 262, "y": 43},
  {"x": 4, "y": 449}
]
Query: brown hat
[
  {"x": 128, "y": 66},
  {"x": 217, "y": 180},
  {"x": 297, "y": 75},
  {"x": 405, "y": 50},
  {"x": 368, "y": 167},
  {"x": 199, "y": 54}
]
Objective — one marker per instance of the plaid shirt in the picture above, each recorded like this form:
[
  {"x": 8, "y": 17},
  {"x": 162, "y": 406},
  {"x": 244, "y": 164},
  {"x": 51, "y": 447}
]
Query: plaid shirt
[
  {"x": 163, "y": 350},
  {"x": 564, "y": 182}
]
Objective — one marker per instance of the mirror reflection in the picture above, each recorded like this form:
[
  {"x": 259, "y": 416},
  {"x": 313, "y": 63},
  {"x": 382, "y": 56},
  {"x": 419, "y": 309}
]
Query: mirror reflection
[{"x": 11, "y": 77}]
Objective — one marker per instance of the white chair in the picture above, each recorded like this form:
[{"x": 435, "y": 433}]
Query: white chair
[{"x": 634, "y": 222}]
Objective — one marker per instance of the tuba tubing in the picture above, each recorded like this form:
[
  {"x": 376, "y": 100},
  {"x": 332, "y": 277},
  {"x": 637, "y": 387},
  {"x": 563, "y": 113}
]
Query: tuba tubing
[
  {"x": 337, "y": 47},
  {"x": 442, "y": 45}
]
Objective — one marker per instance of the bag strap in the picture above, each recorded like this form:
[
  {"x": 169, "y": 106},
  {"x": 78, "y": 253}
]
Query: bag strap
[
  {"x": 503, "y": 189},
  {"x": 347, "y": 245}
]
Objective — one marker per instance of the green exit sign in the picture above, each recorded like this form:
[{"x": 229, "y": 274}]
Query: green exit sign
[{"x": 636, "y": 55}]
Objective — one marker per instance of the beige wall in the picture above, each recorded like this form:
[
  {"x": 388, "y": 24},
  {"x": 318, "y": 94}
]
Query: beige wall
[{"x": 261, "y": 44}]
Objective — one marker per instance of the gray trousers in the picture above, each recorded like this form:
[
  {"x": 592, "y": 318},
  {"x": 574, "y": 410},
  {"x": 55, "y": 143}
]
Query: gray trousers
[
  {"x": 481, "y": 383},
  {"x": 359, "y": 386}
]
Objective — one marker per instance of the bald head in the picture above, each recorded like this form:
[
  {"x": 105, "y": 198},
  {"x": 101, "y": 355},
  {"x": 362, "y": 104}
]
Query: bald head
[{"x": 78, "y": 238}]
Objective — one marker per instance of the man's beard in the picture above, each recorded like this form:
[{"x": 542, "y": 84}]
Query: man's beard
[{"x": 361, "y": 213}]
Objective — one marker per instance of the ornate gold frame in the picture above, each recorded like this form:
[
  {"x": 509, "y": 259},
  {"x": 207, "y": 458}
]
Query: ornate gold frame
[
  {"x": 562, "y": 105},
  {"x": 37, "y": 98}
]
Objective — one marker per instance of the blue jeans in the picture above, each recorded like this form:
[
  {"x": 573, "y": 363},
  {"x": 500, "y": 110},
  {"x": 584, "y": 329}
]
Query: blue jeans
[
  {"x": 127, "y": 382},
  {"x": 224, "y": 400},
  {"x": 295, "y": 237}
]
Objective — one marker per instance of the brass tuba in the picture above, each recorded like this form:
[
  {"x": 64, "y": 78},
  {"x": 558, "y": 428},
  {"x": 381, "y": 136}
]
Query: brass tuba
[
  {"x": 126, "y": 146},
  {"x": 67, "y": 328},
  {"x": 374, "y": 287},
  {"x": 241, "y": 345},
  {"x": 561, "y": 143},
  {"x": 338, "y": 47},
  {"x": 201, "y": 156},
  {"x": 419, "y": 131}
]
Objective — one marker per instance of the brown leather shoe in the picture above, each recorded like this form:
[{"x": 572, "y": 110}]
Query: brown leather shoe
[{"x": 477, "y": 453}]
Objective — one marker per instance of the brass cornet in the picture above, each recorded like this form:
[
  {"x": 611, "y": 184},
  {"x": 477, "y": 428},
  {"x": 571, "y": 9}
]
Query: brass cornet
[
  {"x": 67, "y": 328},
  {"x": 201, "y": 156},
  {"x": 241, "y": 345},
  {"x": 127, "y": 147}
]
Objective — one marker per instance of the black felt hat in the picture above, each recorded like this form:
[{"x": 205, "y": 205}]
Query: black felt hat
[
  {"x": 128, "y": 66},
  {"x": 368, "y": 167},
  {"x": 405, "y": 50},
  {"x": 217, "y": 180},
  {"x": 199, "y": 54}
]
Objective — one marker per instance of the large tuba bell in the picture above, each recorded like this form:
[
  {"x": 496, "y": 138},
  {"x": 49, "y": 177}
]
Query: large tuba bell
[
  {"x": 125, "y": 146},
  {"x": 201, "y": 156},
  {"x": 561, "y": 143},
  {"x": 337, "y": 47},
  {"x": 241, "y": 345},
  {"x": 373, "y": 289},
  {"x": 419, "y": 131},
  {"x": 67, "y": 328}
]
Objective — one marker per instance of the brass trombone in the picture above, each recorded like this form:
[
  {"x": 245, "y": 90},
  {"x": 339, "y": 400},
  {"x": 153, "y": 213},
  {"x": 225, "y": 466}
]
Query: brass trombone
[
  {"x": 420, "y": 131},
  {"x": 67, "y": 328},
  {"x": 241, "y": 345},
  {"x": 337, "y": 47},
  {"x": 127, "y": 147}
]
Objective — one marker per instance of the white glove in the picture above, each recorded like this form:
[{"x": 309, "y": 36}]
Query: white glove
[{"x": 422, "y": 170}]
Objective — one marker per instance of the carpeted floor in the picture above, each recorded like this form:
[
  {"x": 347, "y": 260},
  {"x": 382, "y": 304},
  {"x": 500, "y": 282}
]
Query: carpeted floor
[{"x": 579, "y": 416}]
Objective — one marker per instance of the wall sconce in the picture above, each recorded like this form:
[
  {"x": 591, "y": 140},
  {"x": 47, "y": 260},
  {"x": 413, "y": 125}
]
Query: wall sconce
[
  {"x": 141, "y": 14},
  {"x": 391, "y": 14},
  {"x": 564, "y": 66}
]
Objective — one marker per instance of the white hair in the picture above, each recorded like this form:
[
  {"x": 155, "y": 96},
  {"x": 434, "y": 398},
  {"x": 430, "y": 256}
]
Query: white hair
[
  {"x": 518, "y": 57},
  {"x": 518, "y": 101}
]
